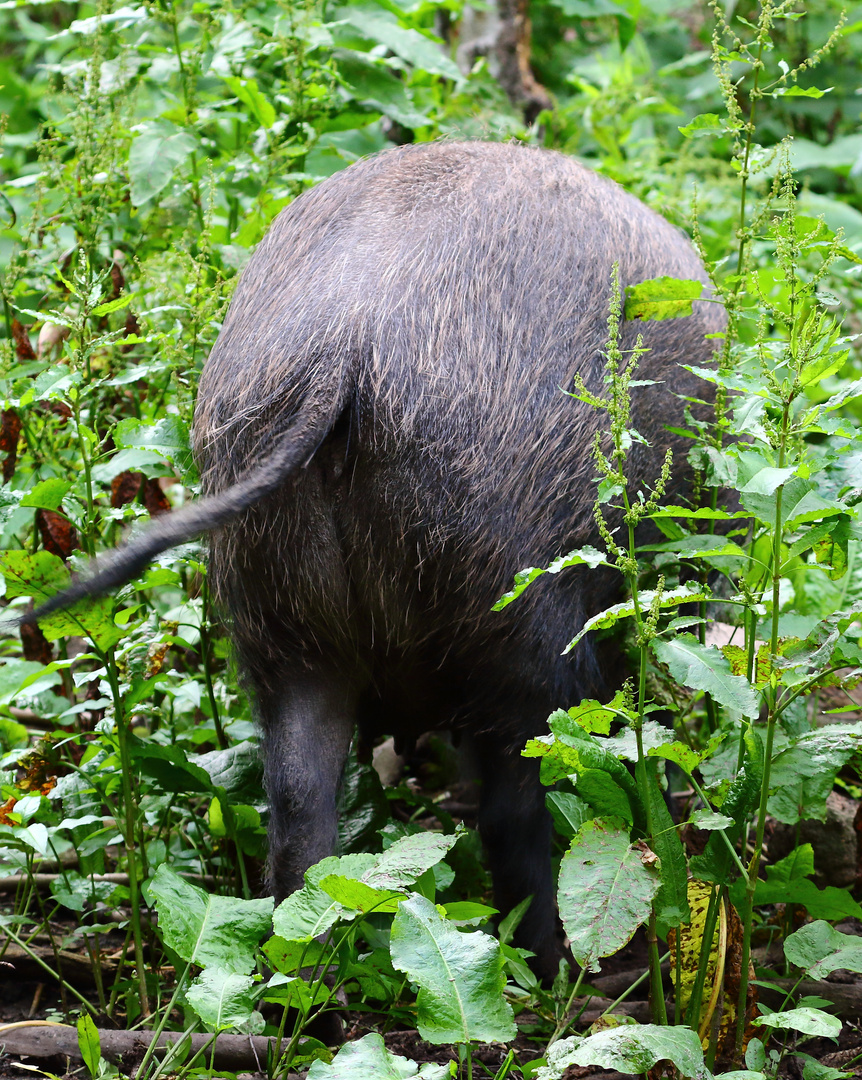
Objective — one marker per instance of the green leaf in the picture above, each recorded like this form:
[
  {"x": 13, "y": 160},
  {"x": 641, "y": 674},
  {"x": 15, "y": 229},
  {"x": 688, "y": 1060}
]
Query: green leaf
[
  {"x": 311, "y": 910},
  {"x": 704, "y": 667},
  {"x": 605, "y": 891},
  {"x": 799, "y": 91},
  {"x": 803, "y": 774},
  {"x": 14, "y": 673},
  {"x": 157, "y": 150},
  {"x": 112, "y": 305},
  {"x": 376, "y": 85},
  {"x": 204, "y": 929},
  {"x": 757, "y": 475},
  {"x": 170, "y": 767},
  {"x": 289, "y": 956},
  {"x": 48, "y": 494},
  {"x": 418, "y": 50},
  {"x": 691, "y": 592},
  {"x": 800, "y": 503},
  {"x": 39, "y": 575},
  {"x": 409, "y": 858},
  {"x": 92, "y": 618},
  {"x": 568, "y": 811},
  {"x": 358, "y": 896},
  {"x": 787, "y": 883},
  {"x": 368, "y": 1059},
  {"x": 705, "y": 124},
  {"x": 671, "y": 901},
  {"x": 661, "y": 298},
  {"x": 819, "y": 949},
  {"x": 460, "y": 976},
  {"x": 225, "y": 1001},
  {"x": 585, "y": 556},
  {"x": 247, "y": 92},
  {"x": 709, "y": 820},
  {"x": 811, "y": 1022},
  {"x": 628, "y": 1049},
  {"x": 88, "y": 1043},
  {"x": 168, "y": 436}
]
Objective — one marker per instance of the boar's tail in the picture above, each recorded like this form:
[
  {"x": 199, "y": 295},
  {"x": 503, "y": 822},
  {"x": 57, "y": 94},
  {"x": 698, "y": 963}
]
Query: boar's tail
[{"x": 296, "y": 447}]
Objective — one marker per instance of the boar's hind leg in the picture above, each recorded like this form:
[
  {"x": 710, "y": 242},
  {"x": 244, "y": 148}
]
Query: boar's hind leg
[
  {"x": 516, "y": 831},
  {"x": 307, "y": 713}
]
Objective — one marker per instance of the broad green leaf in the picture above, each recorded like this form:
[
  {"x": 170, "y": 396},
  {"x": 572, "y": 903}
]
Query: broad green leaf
[
  {"x": 742, "y": 796},
  {"x": 671, "y": 901},
  {"x": 311, "y": 910},
  {"x": 368, "y": 1059},
  {"x": 702, "y": 514},
  {"x": 158, "y": 149},
  {"x": 39, "y": 575},
  {"x": 418, "y": 50},
  {"x": 402, "y": 864},
  {"x": 803, "y": 775},
  {"x": 570, "y": 750},
  {"x": 92, "y": 618},
  {"x": 356, "y": 895},
  {"x": 799, "y": 91},
  {"x": 289, "y": 956},
  {"x": 168, "y": 436},
  {"x": 568, "y": 811},
  {"x": 14, "y": 673},
  {"x": 800, "y": 503},
  {"x": 604, "y": 796},
  {"x": 709, "y": 820},
  {"x": 247, "y": 92},
  {"x": 758, "y": 476},
  {"x": 47, "y": 494},
  {"x": 661, "y": 298},
  {"x": 605, "y": 891},
  {"x": 170, "y": 767},
  {"x": 787, "y": 883},
  {"x": 705, "y": 124},
  {"x": 88, "y": 1043},
  {"x": 225, "y": 1000},
  {"x": 113, "y": 305},
  {"x": 52, "y": 385},
  {"x": 807, "y": 1021},
  {"x": 704, "y": 667},
  {"x": 820, "y": 950},
  {"x": 376, "y": 85},
  {"x": 585, "y": 556},
  {"x": 630, "y": 1048},
  {"x": 205, "y": 929},
  {"x": 460, "y": 976}
]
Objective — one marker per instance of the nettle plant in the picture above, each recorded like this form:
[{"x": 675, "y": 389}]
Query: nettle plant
[{"x": 776, "y": 540}]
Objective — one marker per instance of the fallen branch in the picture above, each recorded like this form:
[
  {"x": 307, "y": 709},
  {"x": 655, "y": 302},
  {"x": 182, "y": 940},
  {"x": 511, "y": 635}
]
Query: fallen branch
[{"x": 40, "y": 1040}]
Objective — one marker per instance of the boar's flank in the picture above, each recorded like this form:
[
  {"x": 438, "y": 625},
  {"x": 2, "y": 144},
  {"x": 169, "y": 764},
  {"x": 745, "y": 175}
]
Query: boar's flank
[{"x": 384, "y": 438}]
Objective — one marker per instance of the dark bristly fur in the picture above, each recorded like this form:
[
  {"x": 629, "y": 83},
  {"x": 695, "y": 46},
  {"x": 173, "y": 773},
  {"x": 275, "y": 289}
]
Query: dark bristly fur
[{"x": 384, "y": 439}]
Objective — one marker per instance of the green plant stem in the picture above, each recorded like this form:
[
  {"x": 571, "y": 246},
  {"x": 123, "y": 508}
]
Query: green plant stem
[
  {"x": 129, "y": 807},
  {"x": 162, "y": 1024},
  {"x": 563, "y": 1021},
  {"x": 88, "y": 482},
  {"x": 10, "y": 933},
  {"x": 692, "y": 1013},
  {"x": 631, "y": 989},
  {"x": 754, "y": 865},
  {"x": 731, "y": 849}
]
